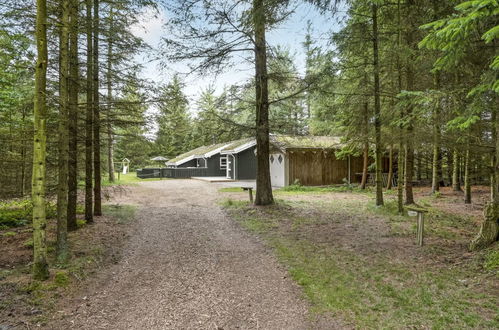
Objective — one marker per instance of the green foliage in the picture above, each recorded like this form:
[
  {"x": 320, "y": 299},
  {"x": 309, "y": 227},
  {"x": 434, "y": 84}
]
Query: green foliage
[
  {"x": 456, "y": 34},
  {"x": 80, "y": 223},
  {"x": 173, "y": 137},
  {"x": 20, "y": 213},
  {"x": 492, "y": 260},
  {"x": 61, "y": 279},
  {"x": 9, "y": 234}
]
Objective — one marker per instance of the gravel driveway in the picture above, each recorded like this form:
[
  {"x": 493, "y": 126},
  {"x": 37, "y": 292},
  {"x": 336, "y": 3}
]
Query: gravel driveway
[{"x": 187, "y": 266}]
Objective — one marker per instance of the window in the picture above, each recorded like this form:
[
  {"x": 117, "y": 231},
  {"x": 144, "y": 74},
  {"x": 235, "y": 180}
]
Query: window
[{"x": 223, "y": 162}]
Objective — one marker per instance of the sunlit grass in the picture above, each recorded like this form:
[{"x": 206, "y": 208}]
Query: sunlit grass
[
  {"x": 126, "y": 179},
  {"x": 371, "y": 290}
]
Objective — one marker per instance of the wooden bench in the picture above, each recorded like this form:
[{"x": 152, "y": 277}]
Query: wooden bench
[{"x": 250, "y": 190}]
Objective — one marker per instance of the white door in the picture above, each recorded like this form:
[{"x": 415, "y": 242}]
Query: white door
[{"x": 277, "y": 167}]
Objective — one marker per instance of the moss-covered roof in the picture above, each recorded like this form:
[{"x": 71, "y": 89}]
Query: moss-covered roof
[
  {"x": 297, "y": 142},
  {"x": 200, "y": 151},
  {"x": 283, "y": 142},
  {"x": 238, "y": 143}
]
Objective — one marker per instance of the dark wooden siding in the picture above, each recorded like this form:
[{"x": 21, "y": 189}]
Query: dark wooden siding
[
  {"x": 214, "y": 166},
  {"x": 191, "y": 163},
  {"x": 246, "y": 164},
  {"x": 183, "y": 172},
  {"x": 356, "y": 164}
]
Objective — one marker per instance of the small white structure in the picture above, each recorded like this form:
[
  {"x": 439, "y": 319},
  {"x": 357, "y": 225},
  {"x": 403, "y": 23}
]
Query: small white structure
[
  {"x": 278, "y": 169},
  {"x": 125, "y": 164}
]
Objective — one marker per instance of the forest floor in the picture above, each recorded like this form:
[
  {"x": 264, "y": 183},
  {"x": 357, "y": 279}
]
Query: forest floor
[
  {"x": 360, "y": 264},
  {"x": 187, "y": 266},
  {"x": 185, "y": 254}
]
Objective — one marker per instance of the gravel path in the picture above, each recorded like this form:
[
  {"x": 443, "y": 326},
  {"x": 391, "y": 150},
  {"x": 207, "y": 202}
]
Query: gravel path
[{"x": 187, "y": 266}]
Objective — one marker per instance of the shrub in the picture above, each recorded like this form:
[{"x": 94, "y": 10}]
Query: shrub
[{"x": 19, "y": 213}]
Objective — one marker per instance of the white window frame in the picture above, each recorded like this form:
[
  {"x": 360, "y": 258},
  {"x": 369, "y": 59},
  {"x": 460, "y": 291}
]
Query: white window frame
[{"x": 223, "y": 162}]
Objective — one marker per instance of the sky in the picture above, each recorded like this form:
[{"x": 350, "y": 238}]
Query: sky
[{"x": 290, "y": 34}]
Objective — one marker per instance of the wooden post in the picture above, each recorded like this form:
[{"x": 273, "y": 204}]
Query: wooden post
[
  {"x": 419, "y": 212},
  {"x": 420, "y": 228},
  {"x": 250, "y": 191}
]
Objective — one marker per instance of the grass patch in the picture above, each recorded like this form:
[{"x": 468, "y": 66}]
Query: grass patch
[
  {"x": 231, "y": 189},
  {"x": 234, "y": 204},
  {"x": 372, "y": 290},
  {"x": 123, "y": 213},
  {"x": 9, "y": 234},
  {"x": 382, "y": 294},
  {"x": 127, "y": 179},
  {"x": 298, "y": 189},
  {"x": 492, "y": 259}
]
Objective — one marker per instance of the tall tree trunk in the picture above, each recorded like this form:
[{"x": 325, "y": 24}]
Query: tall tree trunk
[
  {"x": 23, "y": 153},
  {"x": 96, "y": 121},
  {"x": 62, "y": 184},
  {"x": 419, "y": 166},
  {"x": 365, "y": 164},
  {"x": 40, "y": 265},
  {"x": 73, "y": 116},
  {"x": 456, "y": 182},
  {"x": 437, "y": 159},
  {"x": 400, "y": 156},
  {"x": 390, "y": 169},
  {"x": 489, "y": 229},
  {"x": 450, "y": 165},
  {"x": 467, "y": 185},
  {"x": 89, "y": 217},
  {"x": 409, "y": 151},
  {"x": 263, "y": 184},
  {"x": 377, "y": 109},
  {"x": 110, "y": 139},
  {"x": 400, "y": 177}
]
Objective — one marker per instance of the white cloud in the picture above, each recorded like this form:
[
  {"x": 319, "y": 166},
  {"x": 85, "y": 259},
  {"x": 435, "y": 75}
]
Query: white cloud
[{"x": 150, "y": 26}]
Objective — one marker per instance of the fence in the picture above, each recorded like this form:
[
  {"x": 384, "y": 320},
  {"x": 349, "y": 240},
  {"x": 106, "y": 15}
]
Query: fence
[{"x": 177, "y": 173}]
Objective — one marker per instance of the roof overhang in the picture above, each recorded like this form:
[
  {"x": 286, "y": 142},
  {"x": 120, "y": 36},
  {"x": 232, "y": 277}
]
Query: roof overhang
[
  {"x": 183, "y": 161},
  {"x": 214, "y": 152},
  {"x": 240, "y": 148}
]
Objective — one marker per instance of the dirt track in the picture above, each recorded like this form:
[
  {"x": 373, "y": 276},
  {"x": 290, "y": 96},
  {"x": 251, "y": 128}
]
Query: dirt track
[{"x": 188, "y": 267}]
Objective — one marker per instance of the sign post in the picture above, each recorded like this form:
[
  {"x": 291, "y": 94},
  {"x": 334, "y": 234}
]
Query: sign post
[{"x": 419, "y": 212}]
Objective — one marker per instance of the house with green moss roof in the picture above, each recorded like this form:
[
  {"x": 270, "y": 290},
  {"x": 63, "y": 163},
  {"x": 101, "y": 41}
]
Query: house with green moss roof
[{"x": 308, "y": 160}]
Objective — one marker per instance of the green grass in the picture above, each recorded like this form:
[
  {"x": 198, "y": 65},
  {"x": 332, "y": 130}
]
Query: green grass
[
  {"x": 371, "y": 290},
  {"x": 298, "y": 189},
  {"x": 382, "y": 294},
  {"x": 123, "y": 213},
  {"x": 492, "y": 260},
  {"x": 231, "y": 189},
  {"x": 127, "y": 179}
]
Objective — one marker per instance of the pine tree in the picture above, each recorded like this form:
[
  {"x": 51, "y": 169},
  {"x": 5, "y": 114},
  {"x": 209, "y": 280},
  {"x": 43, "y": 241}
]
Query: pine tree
[
  {"x": 173, "y": 120},
  {"x": 40, "y": 265}
]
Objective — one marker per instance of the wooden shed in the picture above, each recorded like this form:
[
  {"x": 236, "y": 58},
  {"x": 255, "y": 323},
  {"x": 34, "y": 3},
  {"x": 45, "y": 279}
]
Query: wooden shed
[{"x": 311, "y": 161}]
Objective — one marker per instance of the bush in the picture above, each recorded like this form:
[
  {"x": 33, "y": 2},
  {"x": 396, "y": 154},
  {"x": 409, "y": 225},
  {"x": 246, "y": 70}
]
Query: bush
[{"x": 20, "y": 213}]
